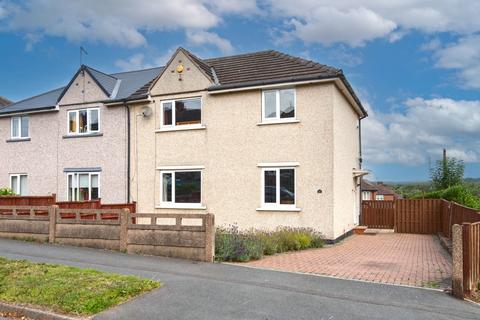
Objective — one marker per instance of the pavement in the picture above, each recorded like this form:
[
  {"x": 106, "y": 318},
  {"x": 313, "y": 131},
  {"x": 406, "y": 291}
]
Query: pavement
[
  {"x": 387, "y": 257},
  {"x": 222, "y": 291}
]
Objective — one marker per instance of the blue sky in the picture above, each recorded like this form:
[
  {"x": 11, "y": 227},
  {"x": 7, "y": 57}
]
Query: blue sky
[{"x": 414, "y": 64}]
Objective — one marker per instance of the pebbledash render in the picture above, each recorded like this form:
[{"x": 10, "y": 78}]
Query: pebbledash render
[
  {"x": 68, "y": 141},
  {"x": 259, "y": 140}
]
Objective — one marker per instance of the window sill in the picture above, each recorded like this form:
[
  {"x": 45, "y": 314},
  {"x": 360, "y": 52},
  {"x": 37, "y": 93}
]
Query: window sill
[
  {"x": 181, "y": 128},
  {"x": 278, "y": 122},
  {"x": 189, "y": 207},
  {"x": 18, "y": 139},
  {"x": 280, "y": 209},
  {"x": 87, "y": 135}
]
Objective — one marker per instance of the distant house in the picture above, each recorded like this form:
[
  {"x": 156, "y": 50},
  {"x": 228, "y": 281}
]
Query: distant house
[
  {"x": 377, "y": 191},
  {"x": 369, "y": 190},
  {"x": 4, "y": 102}
]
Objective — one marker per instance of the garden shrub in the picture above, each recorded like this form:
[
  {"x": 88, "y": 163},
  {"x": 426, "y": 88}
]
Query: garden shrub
[
  {"x": 6, "y": 192},
  {"x": 459, "y": 194},
  {"x": 231, "y": 244}
]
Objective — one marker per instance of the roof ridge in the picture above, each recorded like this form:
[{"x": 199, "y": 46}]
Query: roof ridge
[
  {"x": 108, "y": 75},
  {"x": 139, "y": 70},
  {"x": 239, "y": 55},
  {"x": 36, "y": 96},
  {"x": 304, "y": 61}
]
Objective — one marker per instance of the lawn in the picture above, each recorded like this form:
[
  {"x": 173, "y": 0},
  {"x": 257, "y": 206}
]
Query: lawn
[{"x": 65, "y": 289}]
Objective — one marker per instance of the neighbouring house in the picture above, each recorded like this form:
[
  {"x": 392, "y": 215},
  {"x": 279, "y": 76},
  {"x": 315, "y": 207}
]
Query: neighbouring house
[
  {"x": 369, "y": 190},
  {"x": 260, "y": 140},
  {"x": 4, "y": 102},
  {"x": 377, "y": 191},
  {"x": 67, "y": 141}
]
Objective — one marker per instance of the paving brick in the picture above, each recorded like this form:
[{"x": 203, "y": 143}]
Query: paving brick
[{"x": 399, "y": 258}]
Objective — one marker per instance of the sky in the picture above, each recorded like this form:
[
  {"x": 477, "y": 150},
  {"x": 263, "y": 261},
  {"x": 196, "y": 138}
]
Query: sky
[{"x": 415, "y": 64}]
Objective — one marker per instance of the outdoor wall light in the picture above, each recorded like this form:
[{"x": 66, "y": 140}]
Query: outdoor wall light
[{"x": 319, "y": 191}]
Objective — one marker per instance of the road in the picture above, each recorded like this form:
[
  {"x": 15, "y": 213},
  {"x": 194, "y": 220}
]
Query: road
[{"x": 221, "y": 291}]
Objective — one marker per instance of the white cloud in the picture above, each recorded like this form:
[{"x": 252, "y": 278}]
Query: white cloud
[
  {"x": 140, "y": 61},
  {"x": 354, "y": 26},
  {"x": 422, "y": 130},
  {"x": 135, "y": 62},
  {"x": 355, "y": 22},
  {"x": 112, "y": 21},
  {"x": 201, "y": 38},
  {"x": 463, "y": 56}
]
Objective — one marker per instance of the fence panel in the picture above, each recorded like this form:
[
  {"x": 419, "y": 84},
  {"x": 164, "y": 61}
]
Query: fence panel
[
  {"x": 423, "y": 216},
  {"x": 471, "y": 256},
  {"x": 378, "y": 214}
]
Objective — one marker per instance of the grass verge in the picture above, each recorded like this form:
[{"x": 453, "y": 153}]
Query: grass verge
[{"x": 65, "y": 289}]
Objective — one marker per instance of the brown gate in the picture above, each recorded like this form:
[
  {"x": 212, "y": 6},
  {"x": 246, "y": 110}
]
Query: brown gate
[{"x": 378, "y": 214}]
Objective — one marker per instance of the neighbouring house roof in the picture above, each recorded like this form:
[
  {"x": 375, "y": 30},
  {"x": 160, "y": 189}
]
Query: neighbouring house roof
[
  {"x": 384, "y": 190},
  {"x": 4, "y": 102},
  {"x": 126, "y": 85},
  {"x": 368, "y": 186}
]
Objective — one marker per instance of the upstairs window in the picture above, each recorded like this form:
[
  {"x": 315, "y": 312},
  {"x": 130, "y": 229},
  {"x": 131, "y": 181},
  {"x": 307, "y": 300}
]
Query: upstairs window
[
  {"x": 184, "y": 112},
  {"x": 83, "y": 121},
  {"x": 19, "y": 127},
  {"x": 18, "y": 184},
  {"x": 278, "y": 105},
  {"x": 83, "y": 186}
]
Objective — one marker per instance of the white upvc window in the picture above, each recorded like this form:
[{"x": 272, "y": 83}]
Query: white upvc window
[
  {"x": 366, "y": 195},
  {"x": 184, "y": 113},
  {"x": 181, "y": 188},
  {"x": 19, "y": 127},
  {"x": 83, "y": 186},
  {"x": 278, "y": 105},
  {"x": 379, "y": 197},
  {"x": 18, "y": 184},
  {"x": 278, "y": 188},
  {"x": 83, "y": 121}
]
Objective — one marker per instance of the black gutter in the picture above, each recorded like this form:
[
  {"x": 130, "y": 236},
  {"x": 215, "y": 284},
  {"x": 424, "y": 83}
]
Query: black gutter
[
  {"x": 26, "y": 110},
  {"x": 340, "y": 76}
]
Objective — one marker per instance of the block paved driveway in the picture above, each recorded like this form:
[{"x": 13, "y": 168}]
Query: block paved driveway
[{"x": 387, "y": 257}]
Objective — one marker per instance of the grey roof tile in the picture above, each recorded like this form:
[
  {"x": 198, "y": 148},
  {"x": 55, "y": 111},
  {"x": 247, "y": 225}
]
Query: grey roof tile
[{"x": 130, "y": 83}]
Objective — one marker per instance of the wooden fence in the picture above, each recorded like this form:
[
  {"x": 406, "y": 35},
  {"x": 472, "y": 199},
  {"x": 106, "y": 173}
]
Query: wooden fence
[
  {"x": 52, "y": 200},
  {"x": 188, "y": 236},
  {"x": 378, "y": 214},
  {"x": 423, "y": 216}
]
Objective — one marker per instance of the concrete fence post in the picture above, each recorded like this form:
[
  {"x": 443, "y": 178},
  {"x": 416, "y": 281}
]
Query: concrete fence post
[
  {"x": 124, "y": 216},
  {"x": 209, "y": 237},
  {"x": 53, "y": 214},
  {"x": 457, "y": 261}
]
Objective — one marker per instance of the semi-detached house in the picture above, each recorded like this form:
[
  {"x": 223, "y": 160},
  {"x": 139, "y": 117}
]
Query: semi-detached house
[{"x": 260, "y": 140}]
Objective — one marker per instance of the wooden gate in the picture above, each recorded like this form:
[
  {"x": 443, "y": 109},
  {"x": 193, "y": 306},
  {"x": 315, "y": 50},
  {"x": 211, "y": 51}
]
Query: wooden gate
[{"x": 378, "y": 214}]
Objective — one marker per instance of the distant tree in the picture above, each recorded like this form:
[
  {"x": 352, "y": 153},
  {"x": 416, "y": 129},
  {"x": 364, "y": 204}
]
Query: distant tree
[{"x": 447, "y": 172}]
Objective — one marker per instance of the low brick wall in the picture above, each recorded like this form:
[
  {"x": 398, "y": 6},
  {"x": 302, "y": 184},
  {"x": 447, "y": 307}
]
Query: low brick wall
[{"x": 187, "y": 236}]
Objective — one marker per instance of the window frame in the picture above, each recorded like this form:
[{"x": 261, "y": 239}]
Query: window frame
[
  {"x": 277, "y": 205},
  {"x": 77, "y": 121},
  {"x": 277, "y": 106},
  {"x": 174, "y": 113},
  {"x": 77, "y": 187},
  {"x": 18, "y": 176},
  {"x": 379, "y": 197},
  {"x": 20, "y": 121},
  {"x": 180, "y": 205}
]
